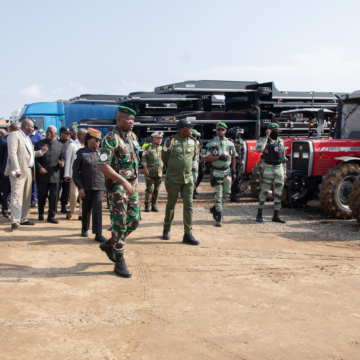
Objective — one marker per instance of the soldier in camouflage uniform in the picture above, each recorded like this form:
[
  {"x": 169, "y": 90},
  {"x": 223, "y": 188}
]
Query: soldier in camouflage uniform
[
  {"x": 152, "y": 163},
  {"x": 222, "y": 154},
  {"x": 273, "y": 150},
  {"x": 195, "y": 165},
  {"x": 118, "y": 162}
]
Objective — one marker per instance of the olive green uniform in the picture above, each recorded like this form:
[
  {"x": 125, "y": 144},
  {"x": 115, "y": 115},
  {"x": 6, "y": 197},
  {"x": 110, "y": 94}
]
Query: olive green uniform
[{"x": 178, "y": 156}]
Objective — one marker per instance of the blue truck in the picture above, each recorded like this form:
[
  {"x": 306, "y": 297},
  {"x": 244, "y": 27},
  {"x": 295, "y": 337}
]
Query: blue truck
[{"x": 83, "y": 110}]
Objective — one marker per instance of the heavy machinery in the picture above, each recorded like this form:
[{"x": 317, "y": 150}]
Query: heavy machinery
[{"x": 328, "y": 167}]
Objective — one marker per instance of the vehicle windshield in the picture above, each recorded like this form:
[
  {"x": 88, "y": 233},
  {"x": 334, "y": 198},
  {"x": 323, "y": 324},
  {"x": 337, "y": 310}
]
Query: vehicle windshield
[{"x": 350, "y": 127}]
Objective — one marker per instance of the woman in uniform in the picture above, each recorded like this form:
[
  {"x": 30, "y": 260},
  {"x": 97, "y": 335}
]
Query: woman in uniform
[{"x": 91, "y": 184}]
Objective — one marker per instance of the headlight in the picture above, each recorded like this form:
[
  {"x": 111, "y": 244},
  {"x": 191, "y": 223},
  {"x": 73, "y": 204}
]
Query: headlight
[
  {"x": 305, "y": 155},
  {"x": 296, "y": 155}
]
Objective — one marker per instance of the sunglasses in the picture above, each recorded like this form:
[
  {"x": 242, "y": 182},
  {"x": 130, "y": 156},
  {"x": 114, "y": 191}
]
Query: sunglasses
[{"x": 220, "y": 129}]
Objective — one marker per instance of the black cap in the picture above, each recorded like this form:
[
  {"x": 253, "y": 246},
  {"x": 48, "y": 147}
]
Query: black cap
[
  {"x": 65, "y": 130},
  {"x": 184, "y": 123}
]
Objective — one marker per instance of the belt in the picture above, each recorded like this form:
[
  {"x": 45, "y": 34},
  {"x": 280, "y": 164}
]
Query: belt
[
  {"x": 272, "y": 164},
  {"x": 222, "y": 168}
]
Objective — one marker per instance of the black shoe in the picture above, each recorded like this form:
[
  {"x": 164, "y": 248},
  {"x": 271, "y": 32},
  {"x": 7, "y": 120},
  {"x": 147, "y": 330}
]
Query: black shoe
[
  {"x": 219, "y": 219},
  {"x": 32, "y": 204},
  {"x": 235, "y": 199},
  {"x": 212, "y": 209},
  {"x": 259, "y": 216},
  {"x": 41, "y": 217},
  {"x": 189, "y": 239},
  {"x": 196, "y": 193},
  {"x": 15, "y": 226},
  {"x": 84, "y": 233},
  {"x": 27, "y": 223},
  {"x": 4, "y": 215},
  {"x": 154, "y": 208},
  {"x": 147, "y": 207},
  {"x": 166, "y": 234},
  {"x": 120, "y": 266},
  {"x": 52, "y": 220},
  {"x": 276, "y": 217},
  {"x": 108, "y": 249},
  {"x": 63, "y": 210},
  {"x": 100, "y": 238},
  {"x": 195, "y": 197}
]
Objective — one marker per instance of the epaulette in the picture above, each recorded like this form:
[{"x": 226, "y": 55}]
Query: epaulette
[{"x": 231, "y": 140}]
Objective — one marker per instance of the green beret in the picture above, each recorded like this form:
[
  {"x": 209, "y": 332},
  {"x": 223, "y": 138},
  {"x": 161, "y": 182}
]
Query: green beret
[
  {"x": 195, "y": 133},
  {"x": 273, "y": 126},
  {"x": 126, "y": 110},
  {"x": 73, "y": 127},
  {"x": 222, "y": 124}
]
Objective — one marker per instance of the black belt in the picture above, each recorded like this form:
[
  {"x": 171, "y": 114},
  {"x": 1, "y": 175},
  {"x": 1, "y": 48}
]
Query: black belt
[
  {"x": 266, "y": 163},
  {"x": 218, "y": 168}
]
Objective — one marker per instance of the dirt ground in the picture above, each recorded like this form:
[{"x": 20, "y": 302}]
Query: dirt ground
[{"x": 249, "y": 291}]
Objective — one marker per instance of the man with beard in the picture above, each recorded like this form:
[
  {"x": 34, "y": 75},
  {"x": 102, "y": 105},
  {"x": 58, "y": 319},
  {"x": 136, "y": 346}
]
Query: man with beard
[
  {"x": 273, "y": 150},
  {"x": 119, "y": 162}
]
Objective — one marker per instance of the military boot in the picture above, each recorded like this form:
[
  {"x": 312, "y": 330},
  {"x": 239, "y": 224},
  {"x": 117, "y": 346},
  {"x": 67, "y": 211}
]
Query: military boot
[
  {"x": 259, "y": 216},
  {"x": 120, "y": 266},
  {"x": 219, "y": 219},
  {"x": 212, "y": 209},
  {"x": 147, "y": 207},
  {"x": 276, "y": 217},
  {"x": 189, "y": 239},
  {"x": 195, "y": 191},
  {"x": 233, "y": 198},
  {"x": 154, "y": 208},
  {"x": 195, "y": 197},
  {"x": 108, "y": 249}
]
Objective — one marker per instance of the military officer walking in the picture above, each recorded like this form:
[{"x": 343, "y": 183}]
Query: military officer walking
[
  {"x": 152, "y": 163},
  {"x": 118, "y": 162},
  {"x": 273, "y": 150},
  {"x": 195, "y": 165},
  {"x": 178, "y": 155},
  {"x": 222, "y": 154}
]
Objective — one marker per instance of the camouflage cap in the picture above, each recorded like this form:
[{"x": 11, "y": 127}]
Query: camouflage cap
[
  {"x": 222, "y": 124},
  {"x": 273, "y": 126},
  {"x": 126, "y": 110}
]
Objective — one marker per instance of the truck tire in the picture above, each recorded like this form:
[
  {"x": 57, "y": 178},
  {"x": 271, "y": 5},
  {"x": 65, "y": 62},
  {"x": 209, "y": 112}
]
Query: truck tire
[
  {"x": 355, "y": 199},
  {"x": 255, "y": 181},
  {"x": 335, "y": 190},
  {"x": 300, "y": 201}
]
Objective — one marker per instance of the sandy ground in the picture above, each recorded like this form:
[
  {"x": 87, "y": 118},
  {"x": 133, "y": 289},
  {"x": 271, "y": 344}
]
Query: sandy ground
[{"x": 249, "y": 291}]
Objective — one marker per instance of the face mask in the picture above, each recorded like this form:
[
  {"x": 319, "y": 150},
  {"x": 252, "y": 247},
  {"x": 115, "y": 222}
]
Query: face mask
[{"x": 274, "y": 134}]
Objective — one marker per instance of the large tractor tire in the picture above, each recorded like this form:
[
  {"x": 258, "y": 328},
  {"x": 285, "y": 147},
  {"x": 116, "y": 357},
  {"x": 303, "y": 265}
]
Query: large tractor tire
[
  {"x": 255, "y": 180},
  {"x": 355, "y": 199},
  {"x": 335, "y": 190}
]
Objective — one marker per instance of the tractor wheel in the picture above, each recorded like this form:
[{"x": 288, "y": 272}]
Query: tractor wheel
[
  {"x": 255, "y": 180},
  {"x": 301, "y": 200},
  {"x": 355, "y": 199},
  {"x": 335, "y": 190}
]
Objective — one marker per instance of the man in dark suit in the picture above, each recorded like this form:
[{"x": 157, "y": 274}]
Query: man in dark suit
[
  {"x": 3, "y": 161},
  {"x": 64, "y": 185},
  {"x": 48, "y": 173}
]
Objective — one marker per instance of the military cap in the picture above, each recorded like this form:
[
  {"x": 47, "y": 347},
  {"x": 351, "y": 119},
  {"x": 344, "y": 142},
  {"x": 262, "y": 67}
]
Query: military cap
[
  {"x": 222, "y": 124},
  {"x": 273, "y": 126},
  {"x": 73, "y": 127},
  {"x": 65, "y": 130},
  {"x": 126, "y": 110},
  {"x": 94, "y": 133},
  {"x": 195, "y": 133},
  {"x": 157, "y": 134},
  {"x": 184, "y": 123}
]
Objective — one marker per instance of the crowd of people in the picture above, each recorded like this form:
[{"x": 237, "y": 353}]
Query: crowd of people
[{"x": 78, "y": 167}]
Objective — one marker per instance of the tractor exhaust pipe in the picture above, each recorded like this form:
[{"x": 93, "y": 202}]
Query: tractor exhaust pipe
[
  {"x": 337, "y": 134},
  {"x": 258, "y": 123}
]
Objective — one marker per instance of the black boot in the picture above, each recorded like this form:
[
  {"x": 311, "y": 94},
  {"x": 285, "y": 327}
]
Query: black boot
[
  {"x": 154, "y": 208},
  {"x": 195, "y": 191},
  {"x": 189, "y": 239},
  {"x": 212, "y": 209},
  {"x": 195, "y": 196},
  {"x": 219, "y": 219},
  {"x": 108, "y": 249},
  {"x": 147, "y": 207},
  {"x": 259, "y": 216},
  {"x": 276, "y": 217},
  {"x": 166, "y": 234},
  {"x": 233, "y": 198},
  {"x": 120, "y": 266},
  {"x": 100, "y": 238}
]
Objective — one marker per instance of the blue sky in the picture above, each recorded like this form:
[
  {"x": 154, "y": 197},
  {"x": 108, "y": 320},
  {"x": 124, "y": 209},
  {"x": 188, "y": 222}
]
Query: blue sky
[{"x": 51, "y": 50}]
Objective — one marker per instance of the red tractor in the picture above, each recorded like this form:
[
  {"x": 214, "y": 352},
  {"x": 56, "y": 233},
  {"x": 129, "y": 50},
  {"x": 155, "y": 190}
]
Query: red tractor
[{"x": 328, "y": 167}]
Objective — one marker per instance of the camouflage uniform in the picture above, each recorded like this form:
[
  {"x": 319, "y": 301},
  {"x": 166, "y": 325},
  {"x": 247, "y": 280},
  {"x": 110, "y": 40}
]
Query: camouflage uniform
[
  {"x": 220, "y": 177},
  {"x": 119, "y": 150},
  {"x": 152, "y": 159},
  {"x": 272, "y": 173}
]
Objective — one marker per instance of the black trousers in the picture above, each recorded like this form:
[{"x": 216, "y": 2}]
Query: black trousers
[
  {"x": 65, "y": 192},
  {"x": 93, "y": 201},
  {"x": 6, "y": 193},
  {"x": 45, "y": 189}
]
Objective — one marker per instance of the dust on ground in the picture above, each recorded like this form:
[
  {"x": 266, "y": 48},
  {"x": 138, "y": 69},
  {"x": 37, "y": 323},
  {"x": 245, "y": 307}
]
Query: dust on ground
[{"x": 248, "y": 291}]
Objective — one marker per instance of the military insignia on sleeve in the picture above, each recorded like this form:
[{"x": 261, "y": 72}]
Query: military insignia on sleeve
[
  {"x": 103, "y": 157},
  {"x": 215, "y": 152},
  {"x": 276, "y": 148},
  {"x": 165, "y": 148}
]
